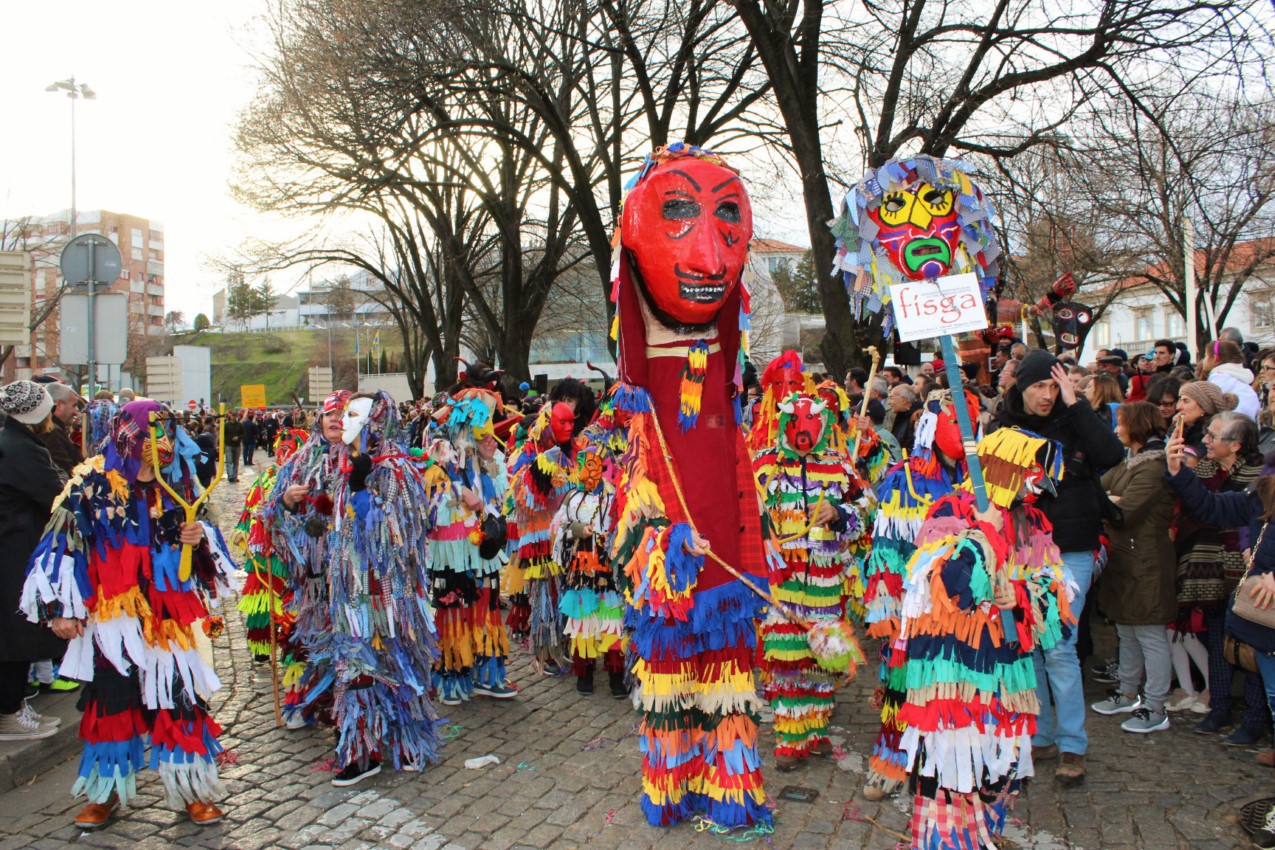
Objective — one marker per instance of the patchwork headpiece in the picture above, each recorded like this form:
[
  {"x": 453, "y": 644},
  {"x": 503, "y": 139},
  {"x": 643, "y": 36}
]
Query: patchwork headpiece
[{"x": 1017, "y": 463}]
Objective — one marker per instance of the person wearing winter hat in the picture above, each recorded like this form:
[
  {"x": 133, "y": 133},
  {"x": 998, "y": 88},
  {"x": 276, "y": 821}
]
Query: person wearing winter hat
[
  {"x": 29, "y": 482},
  {"x": 1198, "y": 401},
  {"x": 1223, "y": 366},
  {"x": 1043, "y": 401}
]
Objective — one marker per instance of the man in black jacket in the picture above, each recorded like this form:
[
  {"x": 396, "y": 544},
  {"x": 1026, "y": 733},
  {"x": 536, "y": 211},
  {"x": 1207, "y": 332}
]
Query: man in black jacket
[
  {"x": 1043, "y": 400},
  {"x": 65, "y": 453},
  {"x": 251, "y": 433}
]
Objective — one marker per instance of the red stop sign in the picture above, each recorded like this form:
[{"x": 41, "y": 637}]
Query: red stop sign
[{"x": 192, "y": 404}]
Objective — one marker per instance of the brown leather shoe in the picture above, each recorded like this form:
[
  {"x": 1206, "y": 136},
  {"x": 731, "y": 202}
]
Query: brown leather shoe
[
  {"x": 96, "y": 815},
  {"x": 1071, "y": 769},
  {"x": 786, "y": 764},
  {"x": 1266, "y": 758},
  {"x": 203, "y": 814},
  {"x": 1047, "y": 753}
]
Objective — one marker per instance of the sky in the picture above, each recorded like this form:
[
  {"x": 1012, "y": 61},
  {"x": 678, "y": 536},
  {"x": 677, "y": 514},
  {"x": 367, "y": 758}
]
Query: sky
[{"x": 170, "y": 79}]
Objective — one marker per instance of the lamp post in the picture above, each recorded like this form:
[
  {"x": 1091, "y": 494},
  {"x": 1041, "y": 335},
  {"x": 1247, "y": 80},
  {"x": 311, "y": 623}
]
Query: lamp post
[{"x": 76, "y": 90}]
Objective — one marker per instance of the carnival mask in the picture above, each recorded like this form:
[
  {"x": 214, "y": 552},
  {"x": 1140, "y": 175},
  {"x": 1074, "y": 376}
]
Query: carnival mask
[
  {"x": 1071, "y": 324},
  {"x": 686, "y": 227},
  {"x": 165, "y": 446},
  {"x": 947, "y": 429},
  {"x": 919, "y": 229},
  {"x": 356, "y": 417},
  {"x": 803, "y": 423},
  {"x": 831, "y": 395},
  {"x": 290, "y": 439},
  {"x": 562, "y": 420}
]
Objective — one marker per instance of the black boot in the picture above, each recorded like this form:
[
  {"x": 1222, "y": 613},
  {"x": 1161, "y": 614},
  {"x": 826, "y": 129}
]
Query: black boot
[
  {"x": 618, "y": 689},
  {"x": 584, "y": 684}
]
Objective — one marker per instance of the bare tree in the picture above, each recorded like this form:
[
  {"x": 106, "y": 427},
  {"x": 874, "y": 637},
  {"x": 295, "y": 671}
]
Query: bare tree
[{"x": 933, "y": 76}]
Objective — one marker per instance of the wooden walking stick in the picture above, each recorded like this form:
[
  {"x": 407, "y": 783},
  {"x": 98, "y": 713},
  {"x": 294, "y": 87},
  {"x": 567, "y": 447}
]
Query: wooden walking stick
[{"x": 863, "y": 405}]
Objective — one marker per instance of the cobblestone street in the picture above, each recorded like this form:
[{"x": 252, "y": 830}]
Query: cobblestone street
[{"x": 568, "y": 777}]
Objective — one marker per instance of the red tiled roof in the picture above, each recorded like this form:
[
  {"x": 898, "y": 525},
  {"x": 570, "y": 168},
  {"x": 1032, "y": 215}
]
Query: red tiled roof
[
  {"x": 774, "y": 246},
  {"x": 1242, "y": 255}
]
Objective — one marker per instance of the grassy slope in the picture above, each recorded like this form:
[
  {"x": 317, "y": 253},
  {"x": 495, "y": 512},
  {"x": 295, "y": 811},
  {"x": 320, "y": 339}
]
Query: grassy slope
[{"x": 278, "y": 360}]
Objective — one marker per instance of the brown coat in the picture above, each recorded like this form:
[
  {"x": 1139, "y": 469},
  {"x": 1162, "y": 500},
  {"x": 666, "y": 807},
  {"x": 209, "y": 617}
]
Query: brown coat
[{"x": 1139, "y": 586}]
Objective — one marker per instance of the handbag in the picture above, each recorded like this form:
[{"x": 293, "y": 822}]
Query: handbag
[{"x": 1242, "y": 640}]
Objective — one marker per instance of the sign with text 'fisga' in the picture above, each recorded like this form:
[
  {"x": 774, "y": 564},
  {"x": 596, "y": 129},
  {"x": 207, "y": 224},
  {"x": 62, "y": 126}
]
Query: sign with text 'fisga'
[{"x": 924, "y": 309}]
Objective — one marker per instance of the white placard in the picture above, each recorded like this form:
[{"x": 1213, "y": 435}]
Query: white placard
[{"x": 924, "y": 309}]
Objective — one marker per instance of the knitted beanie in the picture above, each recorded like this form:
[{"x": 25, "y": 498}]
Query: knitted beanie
[
  {"x": 1037, "y": 366},
  {"x": 26, "y": 401},
  {"x": 1209, "y": 397}
]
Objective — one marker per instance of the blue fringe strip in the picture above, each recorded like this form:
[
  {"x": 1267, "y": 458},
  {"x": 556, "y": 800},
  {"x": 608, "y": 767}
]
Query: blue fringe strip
[
  {"x": 489, "y": 671},
  {"x": 633, "y": 399}
]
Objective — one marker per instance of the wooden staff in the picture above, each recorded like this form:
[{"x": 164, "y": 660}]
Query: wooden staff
[
  {"x": 863, "y": 405},
  {"x": 190, "y": 508}
]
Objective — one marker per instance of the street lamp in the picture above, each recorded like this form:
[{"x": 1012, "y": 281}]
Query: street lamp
[{"x": 74, "y": 91}]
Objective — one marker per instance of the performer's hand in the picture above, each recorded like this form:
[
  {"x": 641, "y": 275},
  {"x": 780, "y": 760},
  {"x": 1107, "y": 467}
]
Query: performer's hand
[
  {"x": 697, "y": 547},
  {"x": 826, "y": 514},
  {"x": 66, "y": 628},
  {"x": 1263, "y": 590},
  {"x": 992, "y": 516},
  {"x": 1004, "y": 593},
  {"x": 192, "y": 534},
  {"x": 471, "y": 499},
  {"x": 293, "y": 496},
  {"x": 1065, "y": 390},
  {"x": 1173, "y": 453}
]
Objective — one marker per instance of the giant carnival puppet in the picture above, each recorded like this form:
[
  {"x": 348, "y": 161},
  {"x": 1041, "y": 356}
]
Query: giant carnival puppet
[
  {"x": 591, "y": 605},
  {"x": 817, "y": 507},
  {"x": 467, "y": 551},
  {"x": 109, "y": 570},
  {"x": 688, "y": 519},
  {"x": 373, "y": 507}
]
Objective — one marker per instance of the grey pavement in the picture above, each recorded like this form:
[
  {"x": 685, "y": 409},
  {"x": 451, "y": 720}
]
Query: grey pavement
[{"x": 568, "y": 778}]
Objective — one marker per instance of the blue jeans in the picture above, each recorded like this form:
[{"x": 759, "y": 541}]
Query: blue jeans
[
  {"x": 1058, "y": 673},
  {"x": 1266, "y": 666},
  {"x": 232, "y": 462}
]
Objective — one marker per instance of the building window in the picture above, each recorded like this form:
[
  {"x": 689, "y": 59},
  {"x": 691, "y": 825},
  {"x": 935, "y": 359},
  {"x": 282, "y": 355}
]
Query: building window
[
  {"x": 137, "y": 253},
  {"x": 1142, "y": 324},
  {"x": 137, "y": 237},
  {"x": 1102, "y": 333},
  {"x": 1174, "y": 325},
  {"x": 1259, "y": 310}
]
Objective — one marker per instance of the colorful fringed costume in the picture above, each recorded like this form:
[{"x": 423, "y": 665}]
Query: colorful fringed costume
[
  {"x": 904, "y": 496},
  {"x": 592, "y": 604},
  {"x": 971, "y": 702},
  {"x": 364, "y": 619},
  {"x": 817, "y": 571},
  {"x": 110, "y": 558},
  {"x": 465, "y": 569},
  {"x": 687, "y": 500},
  {"x": 539, "y": 479},
  {"x": 265, "y": 600}
]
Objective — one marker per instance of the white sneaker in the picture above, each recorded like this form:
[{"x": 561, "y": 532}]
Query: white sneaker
[
  {"x": 1180, "y": 700},
  {"x": 1201, "y": 704},
  {"x": 295, "y": 721},
  {"x": 20, "y": 727},
  {"x": 39, "y": 719}
]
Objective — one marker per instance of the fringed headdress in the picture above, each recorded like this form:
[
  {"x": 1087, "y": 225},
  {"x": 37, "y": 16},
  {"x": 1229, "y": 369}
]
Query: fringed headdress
[{"x": 1009, "y": 456}]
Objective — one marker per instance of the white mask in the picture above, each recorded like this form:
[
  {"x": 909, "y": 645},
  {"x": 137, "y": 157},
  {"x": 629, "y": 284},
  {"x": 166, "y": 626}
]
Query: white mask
[{"x": 355, "y": 419}]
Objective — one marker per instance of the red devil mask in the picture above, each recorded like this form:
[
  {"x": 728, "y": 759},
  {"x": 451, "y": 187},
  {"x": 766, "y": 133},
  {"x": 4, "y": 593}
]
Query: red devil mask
[
  {"x": 830, "y": 397},
  {"x": 804, "y": 423},
  {"x": 947, "y": 430},
  {"x": 919, "y": 229},
  {"x": 562, "y": 420},
  {"x": 686, "y": 227}
]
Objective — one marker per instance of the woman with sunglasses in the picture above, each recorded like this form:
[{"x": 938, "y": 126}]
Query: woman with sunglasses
[{"x": 1162, "y": 391}]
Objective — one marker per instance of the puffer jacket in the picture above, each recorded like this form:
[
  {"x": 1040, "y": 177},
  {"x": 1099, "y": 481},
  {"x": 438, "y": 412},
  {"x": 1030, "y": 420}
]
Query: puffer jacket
[{"x": 1234, "y": 378}]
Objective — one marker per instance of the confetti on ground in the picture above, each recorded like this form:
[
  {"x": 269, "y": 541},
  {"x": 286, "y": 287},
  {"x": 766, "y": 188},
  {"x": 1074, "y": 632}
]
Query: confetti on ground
[
  {"x": 323, "y": 766},
  {"x": 227, "y": 758},
  {"x": 610, "y": 817},
  {"x": 452, "y": 731},
  {"x": 522, "y": 765},
  {"x": 736, "y": 834}
]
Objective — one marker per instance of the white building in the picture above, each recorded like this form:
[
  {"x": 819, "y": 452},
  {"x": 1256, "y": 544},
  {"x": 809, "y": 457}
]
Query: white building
[{"x": 1140, "y": 314}]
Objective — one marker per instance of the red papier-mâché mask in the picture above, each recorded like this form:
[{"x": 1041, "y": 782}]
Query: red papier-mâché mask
[
  {"x": 947, "y": 430},
  {"x": 919, "y": 230},
  {"x": 562, "y": 420},
  {"x": 831, "y": 399},
  {"x": 804, "y": 423},
  {"x": 687, "y": 227},
  {"x": 789, "y": 381}
]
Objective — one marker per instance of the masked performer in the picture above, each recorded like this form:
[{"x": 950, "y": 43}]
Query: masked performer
[
  {"x": 467, "y": 552},
  {"x": 817, "y": 506},
  {"x": 265, "y": 598},
  {"x": 905, "y": 496},
  {"x": 971, "y": 690},
  {"x": 107, "y": 574},
  {"x": 591, "y": 603},
  {"x": 540, "y": 477},
  {"x": 688, "y": 503},
  {"x": 782, "y": 377},
  {"x": 371, "y": 507}
]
